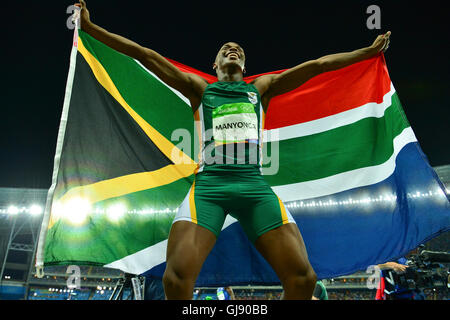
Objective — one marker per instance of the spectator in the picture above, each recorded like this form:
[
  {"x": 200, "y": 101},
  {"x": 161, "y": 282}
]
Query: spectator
[
  {"x": 225, "y": 293},
  {"x": 320, "y": 292}
]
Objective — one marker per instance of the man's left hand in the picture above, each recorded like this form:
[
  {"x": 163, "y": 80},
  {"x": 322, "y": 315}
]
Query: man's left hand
[{"x": 381, "y": 43}]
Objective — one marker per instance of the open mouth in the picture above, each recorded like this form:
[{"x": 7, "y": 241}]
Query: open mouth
[{"x": 233, "y": 55}]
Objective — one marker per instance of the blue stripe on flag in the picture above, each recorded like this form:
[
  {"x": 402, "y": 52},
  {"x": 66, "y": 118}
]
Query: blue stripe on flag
[{"x": 381, "y": 222}]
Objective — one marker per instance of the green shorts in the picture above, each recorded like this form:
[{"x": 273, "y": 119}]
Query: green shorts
[{"x": 245, "y": 195}]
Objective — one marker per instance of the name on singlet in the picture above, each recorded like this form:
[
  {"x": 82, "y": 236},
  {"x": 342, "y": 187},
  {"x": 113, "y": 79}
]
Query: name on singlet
[{"x": 235, "y": 122}]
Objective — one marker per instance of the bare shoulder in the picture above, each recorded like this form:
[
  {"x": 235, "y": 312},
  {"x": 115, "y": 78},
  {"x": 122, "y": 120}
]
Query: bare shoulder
[
  {"x": 263, "y": 83},
  {"x": 198, "y": 83},
  {"x": 198, "y": 86}
]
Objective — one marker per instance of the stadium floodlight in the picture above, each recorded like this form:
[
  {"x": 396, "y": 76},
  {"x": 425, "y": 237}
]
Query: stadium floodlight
[
  {"x": 76, "y": 210},
  {"x": 115, "y": 212},
  {"x": 13, "y": 210},
  {"x": 35, "y": 210},
  {"x": 439, "y": 192}
]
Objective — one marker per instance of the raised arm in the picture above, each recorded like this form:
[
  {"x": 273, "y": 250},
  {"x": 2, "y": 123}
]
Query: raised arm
[
  {"x": 189, "y": 84},
  {"x": 272, "y": 85}
]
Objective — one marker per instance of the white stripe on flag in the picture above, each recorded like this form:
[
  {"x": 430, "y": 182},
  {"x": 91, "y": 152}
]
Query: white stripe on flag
[
  {"x": 202, "y": 128},
  {"x": 40, "y": 252},
  {"x": 144, "y": 260},
  {"x": 367, "y": 110},
  {"x": 346, "y": 180},
  {"x": 178, "y": 93},
  {"x": 152, "y": 256}
]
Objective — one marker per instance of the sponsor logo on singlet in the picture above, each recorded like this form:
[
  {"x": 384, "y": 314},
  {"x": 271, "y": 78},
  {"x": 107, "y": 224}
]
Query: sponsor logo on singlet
[{"x": 252, "y": 97}]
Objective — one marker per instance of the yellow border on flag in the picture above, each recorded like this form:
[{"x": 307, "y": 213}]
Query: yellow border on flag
[
  {"x": 183, "y": 166},
  {"x": 123, "y": 185},
  {"x": 168, "y": 148}
]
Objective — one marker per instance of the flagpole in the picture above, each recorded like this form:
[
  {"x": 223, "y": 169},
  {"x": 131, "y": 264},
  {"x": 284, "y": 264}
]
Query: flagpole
[{"x": 59, "y": 144}]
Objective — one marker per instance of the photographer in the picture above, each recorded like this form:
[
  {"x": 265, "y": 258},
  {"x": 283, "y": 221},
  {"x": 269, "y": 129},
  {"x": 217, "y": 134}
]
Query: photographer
[{"x": 388, "y": 290}]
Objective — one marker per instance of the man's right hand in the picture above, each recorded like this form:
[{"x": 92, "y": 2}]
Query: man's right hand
[{"x": 85, "y": 17}]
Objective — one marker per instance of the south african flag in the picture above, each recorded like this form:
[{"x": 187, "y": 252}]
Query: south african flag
[{"x": 350, "y": 170}]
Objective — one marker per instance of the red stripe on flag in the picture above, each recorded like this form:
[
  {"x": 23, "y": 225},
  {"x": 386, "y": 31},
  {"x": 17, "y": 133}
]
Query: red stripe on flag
[
  {"x": 324, "y": 95},
  {"x": 331, "y": 93},
  {"x": 209, "y": 78}
]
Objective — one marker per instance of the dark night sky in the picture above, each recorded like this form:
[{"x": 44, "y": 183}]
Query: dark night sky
[{"x": 275, "y": 35}]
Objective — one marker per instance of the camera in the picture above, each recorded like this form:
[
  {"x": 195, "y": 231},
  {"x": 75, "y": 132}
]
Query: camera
[{"x": 427, "y": 269}]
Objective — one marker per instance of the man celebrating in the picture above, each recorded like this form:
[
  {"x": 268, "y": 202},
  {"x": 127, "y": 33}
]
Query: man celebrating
[{"x": 230, "y": 119}]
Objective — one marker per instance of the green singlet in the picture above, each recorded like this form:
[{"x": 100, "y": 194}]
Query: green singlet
[{"x": 230, "y": 122}]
